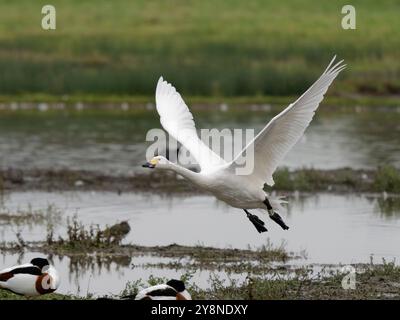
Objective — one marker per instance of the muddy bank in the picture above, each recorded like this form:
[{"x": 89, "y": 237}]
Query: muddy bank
[
  {"x": 67, "y": 180},
  {"x": 382, "y": 179}
]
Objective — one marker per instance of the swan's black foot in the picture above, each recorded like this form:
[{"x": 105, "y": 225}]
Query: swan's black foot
[
  {"x": 278, "y": 219},
  {"x": 256, "y": 221}
]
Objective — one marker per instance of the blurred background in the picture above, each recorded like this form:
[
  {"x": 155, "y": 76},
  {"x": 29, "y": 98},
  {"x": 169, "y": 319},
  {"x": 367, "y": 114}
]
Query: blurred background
[{"x": 207, "y": 48}]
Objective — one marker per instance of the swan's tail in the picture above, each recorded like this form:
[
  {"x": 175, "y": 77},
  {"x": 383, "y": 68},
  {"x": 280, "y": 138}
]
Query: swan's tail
[{"x": 277, "y": 205}]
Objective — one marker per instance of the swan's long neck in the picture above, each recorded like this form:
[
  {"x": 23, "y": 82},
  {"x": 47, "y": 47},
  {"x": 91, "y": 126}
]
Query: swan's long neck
[{"x": 186, "y": 173}]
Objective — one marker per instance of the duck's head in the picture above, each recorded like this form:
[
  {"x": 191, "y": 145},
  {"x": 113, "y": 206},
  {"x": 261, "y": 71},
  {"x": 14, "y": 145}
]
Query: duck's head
[
  {"x": 40, "y": 263},
  {"x": 51, "y": 280},
  {"x": 179, "y": 286},
  {"x": 54, "y": 277},
  {"x": 159, "y": 162}
]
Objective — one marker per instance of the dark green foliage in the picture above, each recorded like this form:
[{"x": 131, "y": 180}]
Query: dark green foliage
[{"x": 230, "y": 48}]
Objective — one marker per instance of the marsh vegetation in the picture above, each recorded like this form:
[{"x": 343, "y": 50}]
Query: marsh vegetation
[
  {"x": 275, "y": 48},
  {"x": 374, "y": 281}
]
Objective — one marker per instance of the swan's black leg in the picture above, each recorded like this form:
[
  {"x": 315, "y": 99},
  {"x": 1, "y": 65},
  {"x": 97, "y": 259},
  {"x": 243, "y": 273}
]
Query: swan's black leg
[
  {"x": 256, "y": 221},
  {"x": 274, "y": 216}
]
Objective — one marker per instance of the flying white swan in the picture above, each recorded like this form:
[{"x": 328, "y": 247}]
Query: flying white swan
[{"x": 270, "y": 147}]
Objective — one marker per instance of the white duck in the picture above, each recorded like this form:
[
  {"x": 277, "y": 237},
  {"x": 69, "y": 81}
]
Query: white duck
[
  {"x": 32, "y": 279},
  {"x": 270, "y": 147},
  {"x": 172, "y": 290}
]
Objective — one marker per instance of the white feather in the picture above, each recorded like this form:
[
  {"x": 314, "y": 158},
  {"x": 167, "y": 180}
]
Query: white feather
[
  {"x": 280, "y": 135},
  {"x": 145, "y": 292},
  {"x": 21, "y": 283},
  {"x": 270, "y": 145},
  {"x": 177, "y": 120}
]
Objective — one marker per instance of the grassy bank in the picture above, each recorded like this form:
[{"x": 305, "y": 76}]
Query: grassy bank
[
  {"x": 383, "y": 179},
  {"x": 372, "y": 282},
  {"x": 224, "y": 48}
]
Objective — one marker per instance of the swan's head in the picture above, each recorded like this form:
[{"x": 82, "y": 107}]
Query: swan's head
[{"x": 159, "y": 162}]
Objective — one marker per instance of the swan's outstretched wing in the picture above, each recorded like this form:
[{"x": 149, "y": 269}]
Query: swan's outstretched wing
[
  {"x": 277, "y": 138},
  {"x": 177, "y": 120}
]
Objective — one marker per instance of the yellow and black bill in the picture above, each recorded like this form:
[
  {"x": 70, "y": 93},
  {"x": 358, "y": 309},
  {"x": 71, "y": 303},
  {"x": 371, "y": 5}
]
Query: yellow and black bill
[{"x": 149, "y": 165}]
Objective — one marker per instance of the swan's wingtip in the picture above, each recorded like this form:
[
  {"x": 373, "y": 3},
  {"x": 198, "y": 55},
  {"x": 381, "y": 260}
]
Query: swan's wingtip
[
  {"x": 333, "y": 60},
  {"x": 333, "y": 64}
]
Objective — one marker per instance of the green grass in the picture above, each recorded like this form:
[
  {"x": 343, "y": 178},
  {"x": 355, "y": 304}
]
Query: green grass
[
  {"x": 312, "y": 179},
  {"x": 216, "y": 48},
  {"x": 372, "y": 282},
  {"x": 387, "y": 179},
  {"x": 85, "y": 239}
]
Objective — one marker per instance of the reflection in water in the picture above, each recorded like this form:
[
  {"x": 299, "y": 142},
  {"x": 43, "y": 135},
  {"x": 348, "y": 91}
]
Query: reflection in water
[
  {"x": 101, "y": 262},
  {"x": 95, "y": 266},
  {"x": 49, "y": 217},
  {"x": 115, "y": 142},
  {"x": 389, "y": 207}
]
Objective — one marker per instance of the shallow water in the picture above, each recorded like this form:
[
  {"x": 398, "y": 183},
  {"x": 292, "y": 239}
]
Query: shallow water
[
  {"x": 115, "y": 142},
  {"x": 331, "y": 229}
]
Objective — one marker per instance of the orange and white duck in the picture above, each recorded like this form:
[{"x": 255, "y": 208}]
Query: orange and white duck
[
  {"x": 172, "y": 290},
  {"x": 32, "y": 279}
]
